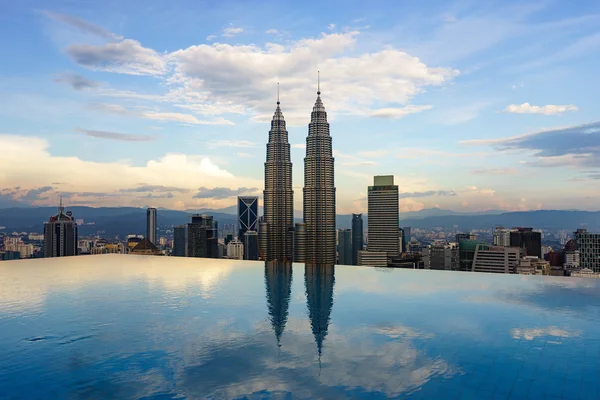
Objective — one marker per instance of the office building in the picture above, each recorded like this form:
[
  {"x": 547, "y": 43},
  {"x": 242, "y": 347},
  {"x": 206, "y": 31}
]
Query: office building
[
  {"x": 383, "y": 218},
  {"x": 358, "y": 234},
  {"x": 247, "y": 215},
  {"x": 250, "y": 245},
  {"x": 373, "y": 258},
  {"x": 278, "y": 195},
  {"x": 235, "y": 250},
  {"x": 299, "y": 242},
  {"x": 262, "y": 239},
  {"x": 345, "y": 247},
  {"x": 496, "y": 259},
  {"x": 151, "y": 225},
  {"x": 319, "y": 189},
  {"x": 405, "y": 238},
  {"x": 444, "y": 256},
  {"x": 196, "y": 239},
  {"x": 60, "y": 234},
  {"x": 588, "y": 245},
  {"x": 528, "y": 240},
  {"x": 179, "y": 241}
]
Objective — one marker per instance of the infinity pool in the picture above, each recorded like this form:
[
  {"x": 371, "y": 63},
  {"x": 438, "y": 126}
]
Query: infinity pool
[{"x": 124, "y": 326}]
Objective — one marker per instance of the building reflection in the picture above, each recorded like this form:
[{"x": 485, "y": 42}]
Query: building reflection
[
  {"x": 278, "y": 281},
  {"x": 319, "y": 281}
]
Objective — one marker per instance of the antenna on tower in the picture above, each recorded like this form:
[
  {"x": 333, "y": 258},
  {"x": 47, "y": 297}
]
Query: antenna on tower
[
  {"x": 277, "y": 93},
  {"x": 318, "y": 82},
  {"x": 60, "y": 205}
]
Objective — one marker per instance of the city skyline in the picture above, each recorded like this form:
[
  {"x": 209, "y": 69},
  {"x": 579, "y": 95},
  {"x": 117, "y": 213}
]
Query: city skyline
[{"x": 465, "y": 117}]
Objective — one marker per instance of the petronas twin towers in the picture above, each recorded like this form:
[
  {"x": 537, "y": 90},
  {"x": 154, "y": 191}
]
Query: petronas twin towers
[{"x": 318, "y": 232}]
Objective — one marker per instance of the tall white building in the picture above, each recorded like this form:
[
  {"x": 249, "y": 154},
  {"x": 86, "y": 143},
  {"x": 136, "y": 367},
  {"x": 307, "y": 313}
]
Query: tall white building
[
  {"x": 497, "y": 259},
  {"x": 502, "y": 236},
  {"x": 235, "y": 249},
  {"x": 384, "y": 219}
]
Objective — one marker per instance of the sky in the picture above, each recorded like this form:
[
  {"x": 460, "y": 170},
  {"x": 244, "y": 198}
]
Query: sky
[{"x": 471, "y": 105}]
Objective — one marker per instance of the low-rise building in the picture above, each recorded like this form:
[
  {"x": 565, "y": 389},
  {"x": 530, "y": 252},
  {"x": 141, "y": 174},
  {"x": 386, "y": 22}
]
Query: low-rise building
[{"x": 496, "y": 259}]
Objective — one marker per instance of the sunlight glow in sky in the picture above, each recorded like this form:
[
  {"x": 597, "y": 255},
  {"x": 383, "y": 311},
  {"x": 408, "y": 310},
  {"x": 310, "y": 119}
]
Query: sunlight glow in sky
[{"x": 471, "y": 105}]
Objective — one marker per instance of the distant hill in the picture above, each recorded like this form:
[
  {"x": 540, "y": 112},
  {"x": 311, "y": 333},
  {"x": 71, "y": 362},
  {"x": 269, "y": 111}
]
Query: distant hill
[{"x": 130, "y": 220}]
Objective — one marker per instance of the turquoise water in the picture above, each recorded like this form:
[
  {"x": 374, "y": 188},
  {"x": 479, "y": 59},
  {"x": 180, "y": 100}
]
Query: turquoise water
[{"x": 112, "y": 326}]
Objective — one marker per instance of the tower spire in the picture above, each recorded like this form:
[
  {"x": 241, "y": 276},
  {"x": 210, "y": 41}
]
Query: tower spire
[
  {"x": 277, "y": 93},
  {"x": 60, "y": 205},
  {"x": 318, "y": 82}
]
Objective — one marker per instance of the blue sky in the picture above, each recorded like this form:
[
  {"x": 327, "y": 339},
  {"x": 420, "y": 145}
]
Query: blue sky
[{"x": 471, "y": 105}]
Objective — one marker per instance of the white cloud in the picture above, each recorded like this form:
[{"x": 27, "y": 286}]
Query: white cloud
[
  {"x": 331, "y": 27},
  {"x": 248, "y": 74},
  {"x": 398, "y": 112},
  {"x": 550, "y": 109},
  {"x": 232, "y": 31},
  {"x": 272, "y": 32},
  {"x": 211, "y": 37},
  {"x": 25, "y": 154}
]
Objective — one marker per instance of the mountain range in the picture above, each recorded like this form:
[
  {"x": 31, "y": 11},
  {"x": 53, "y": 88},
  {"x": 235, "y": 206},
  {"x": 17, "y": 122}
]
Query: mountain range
[{"x": 120, "y": 221}]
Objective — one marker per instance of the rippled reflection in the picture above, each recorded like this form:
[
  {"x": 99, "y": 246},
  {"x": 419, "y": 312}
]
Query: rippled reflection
[{"x": 133, "y": 327}]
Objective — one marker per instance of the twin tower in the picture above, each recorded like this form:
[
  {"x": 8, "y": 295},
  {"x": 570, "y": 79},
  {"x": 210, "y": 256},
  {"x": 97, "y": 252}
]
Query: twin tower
[{"x": 314, "y": 241}]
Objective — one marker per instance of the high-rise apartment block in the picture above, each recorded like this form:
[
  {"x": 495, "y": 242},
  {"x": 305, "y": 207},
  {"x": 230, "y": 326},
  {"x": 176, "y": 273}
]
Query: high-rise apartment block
[
  {"x": 60, "y": 234},
  {"x": 588, "y": 245},
  {"x": 247, "y": 215},
  {"x": 278, "y": 195},
  {"x": 235, "y": 250},
  {"x": 319, "y": 190},
  {"x": 151, "y": 225},
  {"x": 345, "y": 247},
  {"x": 358, "y": 234}
]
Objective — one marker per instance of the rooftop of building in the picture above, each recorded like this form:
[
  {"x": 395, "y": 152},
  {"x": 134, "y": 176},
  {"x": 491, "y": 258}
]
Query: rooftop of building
[{"x": 118, "y": 326}]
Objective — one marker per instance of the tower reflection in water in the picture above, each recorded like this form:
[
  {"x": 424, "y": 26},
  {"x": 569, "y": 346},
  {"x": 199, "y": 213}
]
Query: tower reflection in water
[
  {"x": 278, "y": 280},
  {"x": 319, "y": 281}
]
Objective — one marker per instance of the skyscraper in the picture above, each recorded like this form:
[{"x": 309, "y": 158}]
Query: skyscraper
[
  {"x": 384, "y": 220},
  {"x": 319, "y": 189},
  {"x": 345, "y": 250},
  {"x": 60, "y": 234},
  {"x": 247, "y": 215},
  {"x": 278, "y": 194},
  {"x": 527, "y": 239},
  {"x": 357, "y": 237},
  {"x": 250, "y": 245},
  {"x": 151, "y": 226}
]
